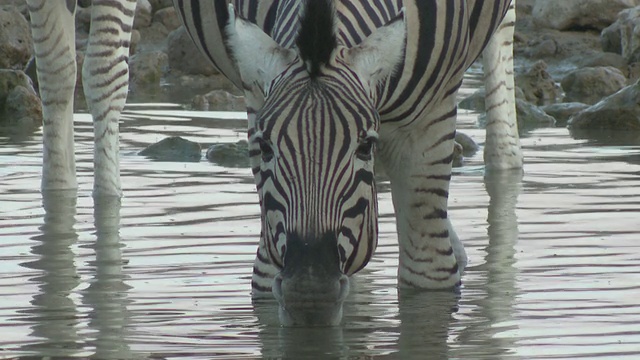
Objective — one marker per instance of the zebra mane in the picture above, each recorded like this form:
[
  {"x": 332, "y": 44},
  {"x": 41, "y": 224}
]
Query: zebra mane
[{"x": 317, "y": 38}]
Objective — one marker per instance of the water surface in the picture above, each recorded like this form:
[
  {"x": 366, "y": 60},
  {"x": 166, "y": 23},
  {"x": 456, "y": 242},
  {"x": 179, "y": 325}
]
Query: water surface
[{"x": 554, "y": 258}]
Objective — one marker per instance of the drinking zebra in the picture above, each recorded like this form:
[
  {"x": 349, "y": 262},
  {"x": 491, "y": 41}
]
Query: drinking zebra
[{"x": 329, "y": 85}]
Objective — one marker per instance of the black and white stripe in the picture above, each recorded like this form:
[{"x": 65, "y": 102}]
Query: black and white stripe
[{"x": 412, "y": 113}]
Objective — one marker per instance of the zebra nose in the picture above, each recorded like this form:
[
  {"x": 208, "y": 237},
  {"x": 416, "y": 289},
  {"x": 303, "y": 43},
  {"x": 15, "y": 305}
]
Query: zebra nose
[{"x": 304, "y": 304}]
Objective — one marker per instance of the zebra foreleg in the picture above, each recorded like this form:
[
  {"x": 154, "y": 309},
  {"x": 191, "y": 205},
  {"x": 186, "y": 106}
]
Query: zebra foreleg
[
  {"x": 419, "y": 166},
  {"x": 53, "y": 31},
  {"x": 105, "y": 75}
]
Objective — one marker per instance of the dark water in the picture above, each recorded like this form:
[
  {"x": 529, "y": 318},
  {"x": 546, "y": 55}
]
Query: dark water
[{"x": 554, "y": 255}]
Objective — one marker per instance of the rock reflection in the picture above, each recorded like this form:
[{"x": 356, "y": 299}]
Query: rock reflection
[{"x": 57, "y": 320}]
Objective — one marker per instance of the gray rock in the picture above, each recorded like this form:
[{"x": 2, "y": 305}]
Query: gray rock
[
  {"x": 20, "y": 106},
  {"x": 589, "y": 85},
  {"x": 146, "y": 68},
  {"x": 15, "y": 39},
  {"x": 168, "y": 17},
  {"x": 218, "y": 100},
  {"x": 474, "y": 101},
  {"x": 185, "y": 57},
  {"x": 458, "y": 157},
  {"x": 629, "y": 27},
  {"x": 610, "y": 39},
  {"x": 564, "y": 111},
  {"x": 604, "y": 59},
  {"x": 230, "y": 154},
  {"x": 160, "y": 4},
  {"x": 469, "y": 146},
  {"x": 574, "y": 14},
  {"x": 173, "y": 148},
  {"x": 143, "y": 14},
  {"x": 538, "y": 86},
  {"x": 530, "y": 115},
  {"x": 620, "y": 111},
  {"x": 21, "y": 5},
  {"x": 543, "y": 47}
]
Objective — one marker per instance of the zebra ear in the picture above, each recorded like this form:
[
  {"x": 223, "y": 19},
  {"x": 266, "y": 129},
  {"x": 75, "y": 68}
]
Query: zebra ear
[
  {"x": 377, "y": 56},
  {"x": 258, "y": 57}
]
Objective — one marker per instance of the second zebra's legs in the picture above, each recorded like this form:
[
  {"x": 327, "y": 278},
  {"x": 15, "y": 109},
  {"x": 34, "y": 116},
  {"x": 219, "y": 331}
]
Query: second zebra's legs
[
  {"x": 105, "y": 74},
  {"x": 502, "y": 148}
]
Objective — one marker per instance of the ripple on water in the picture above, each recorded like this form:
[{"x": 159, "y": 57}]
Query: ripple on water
[{"x": 554, "y": 261}]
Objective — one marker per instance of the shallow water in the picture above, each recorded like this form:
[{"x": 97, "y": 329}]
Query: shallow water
[{"x": 554, "y": 256}]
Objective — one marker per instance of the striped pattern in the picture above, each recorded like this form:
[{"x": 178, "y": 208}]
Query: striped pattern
[
  {"x": 105, "y": 77},
  {"x": 414, "y": 115},
  {"x": 502, "y": 149}
]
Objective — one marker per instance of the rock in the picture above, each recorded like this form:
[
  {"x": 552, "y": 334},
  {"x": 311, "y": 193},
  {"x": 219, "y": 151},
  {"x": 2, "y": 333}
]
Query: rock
[
  {"x": 458, "y": 158},
  {"x": 620, "y": 111},
  {"x": 543, "y": 47},
  {"x": 20, "y": 5},
  {"x": 604, "y": 59},
  {"x": 146, "y": 68},
  {"x": 168, "y": 17},
  {"x": 562, "y": 112},
  {"x": 143, "y": 15},
  {"x": 157, "y": 5},
  {"x": 589, "y": 85},
  {"x": 135, "y": 40},
  {"x": 610, "y": 39},
  {"x": 579, "y": 14},
  {"x": 173, "y": 148},
  {"x": 20, "y": 106},
  {"x": 16, "y": 46},
  {"x": 633, "y": 72},
  {"x": 185, "y": 57},
  {"x": 474, "y": 101},
  {"x": 530, "y": 115},
  {"x": 538, "y": 86},
  {"x": 629, "y": 27},
  {"x": 219, "y": 100},
  {"x": 230, "y": 154},
  {"x": 469, "y": 146}
]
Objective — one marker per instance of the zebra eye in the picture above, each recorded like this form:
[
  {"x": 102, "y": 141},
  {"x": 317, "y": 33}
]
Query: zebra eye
[
  {"x": 266, "y": 150},
  {"x": 364, "y": 151}
]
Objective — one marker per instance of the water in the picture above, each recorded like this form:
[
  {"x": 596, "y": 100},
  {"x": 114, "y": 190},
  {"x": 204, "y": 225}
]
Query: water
[{"x": 554, "y": 268}]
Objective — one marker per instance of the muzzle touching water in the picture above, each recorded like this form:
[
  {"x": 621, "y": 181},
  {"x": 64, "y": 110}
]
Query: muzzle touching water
[{"x": 311, "y": 288}]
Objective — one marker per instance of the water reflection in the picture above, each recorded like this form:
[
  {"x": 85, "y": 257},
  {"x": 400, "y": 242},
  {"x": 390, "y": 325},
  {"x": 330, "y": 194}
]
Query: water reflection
[
  {"x": 493, "y": 307},
  {"x": 106, "y": 296},
  {"x": 54, "y": 314},
  {"x": 57, "y": 321},
  {"x": 419, "y": 324}
]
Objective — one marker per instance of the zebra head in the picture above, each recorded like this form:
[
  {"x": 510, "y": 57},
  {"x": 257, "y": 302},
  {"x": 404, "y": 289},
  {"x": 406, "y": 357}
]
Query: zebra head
[{"x": 313, "y": 126}]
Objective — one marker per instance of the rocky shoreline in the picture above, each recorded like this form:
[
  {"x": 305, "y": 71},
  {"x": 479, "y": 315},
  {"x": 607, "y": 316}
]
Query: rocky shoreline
[{"x": 577, "y": 63}]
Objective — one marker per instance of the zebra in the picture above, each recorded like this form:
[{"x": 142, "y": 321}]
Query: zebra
[
  {"x": 105, "y": 74},
  {"x": 331, "y": 84},
  {"x": 406, "y": 62}
]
